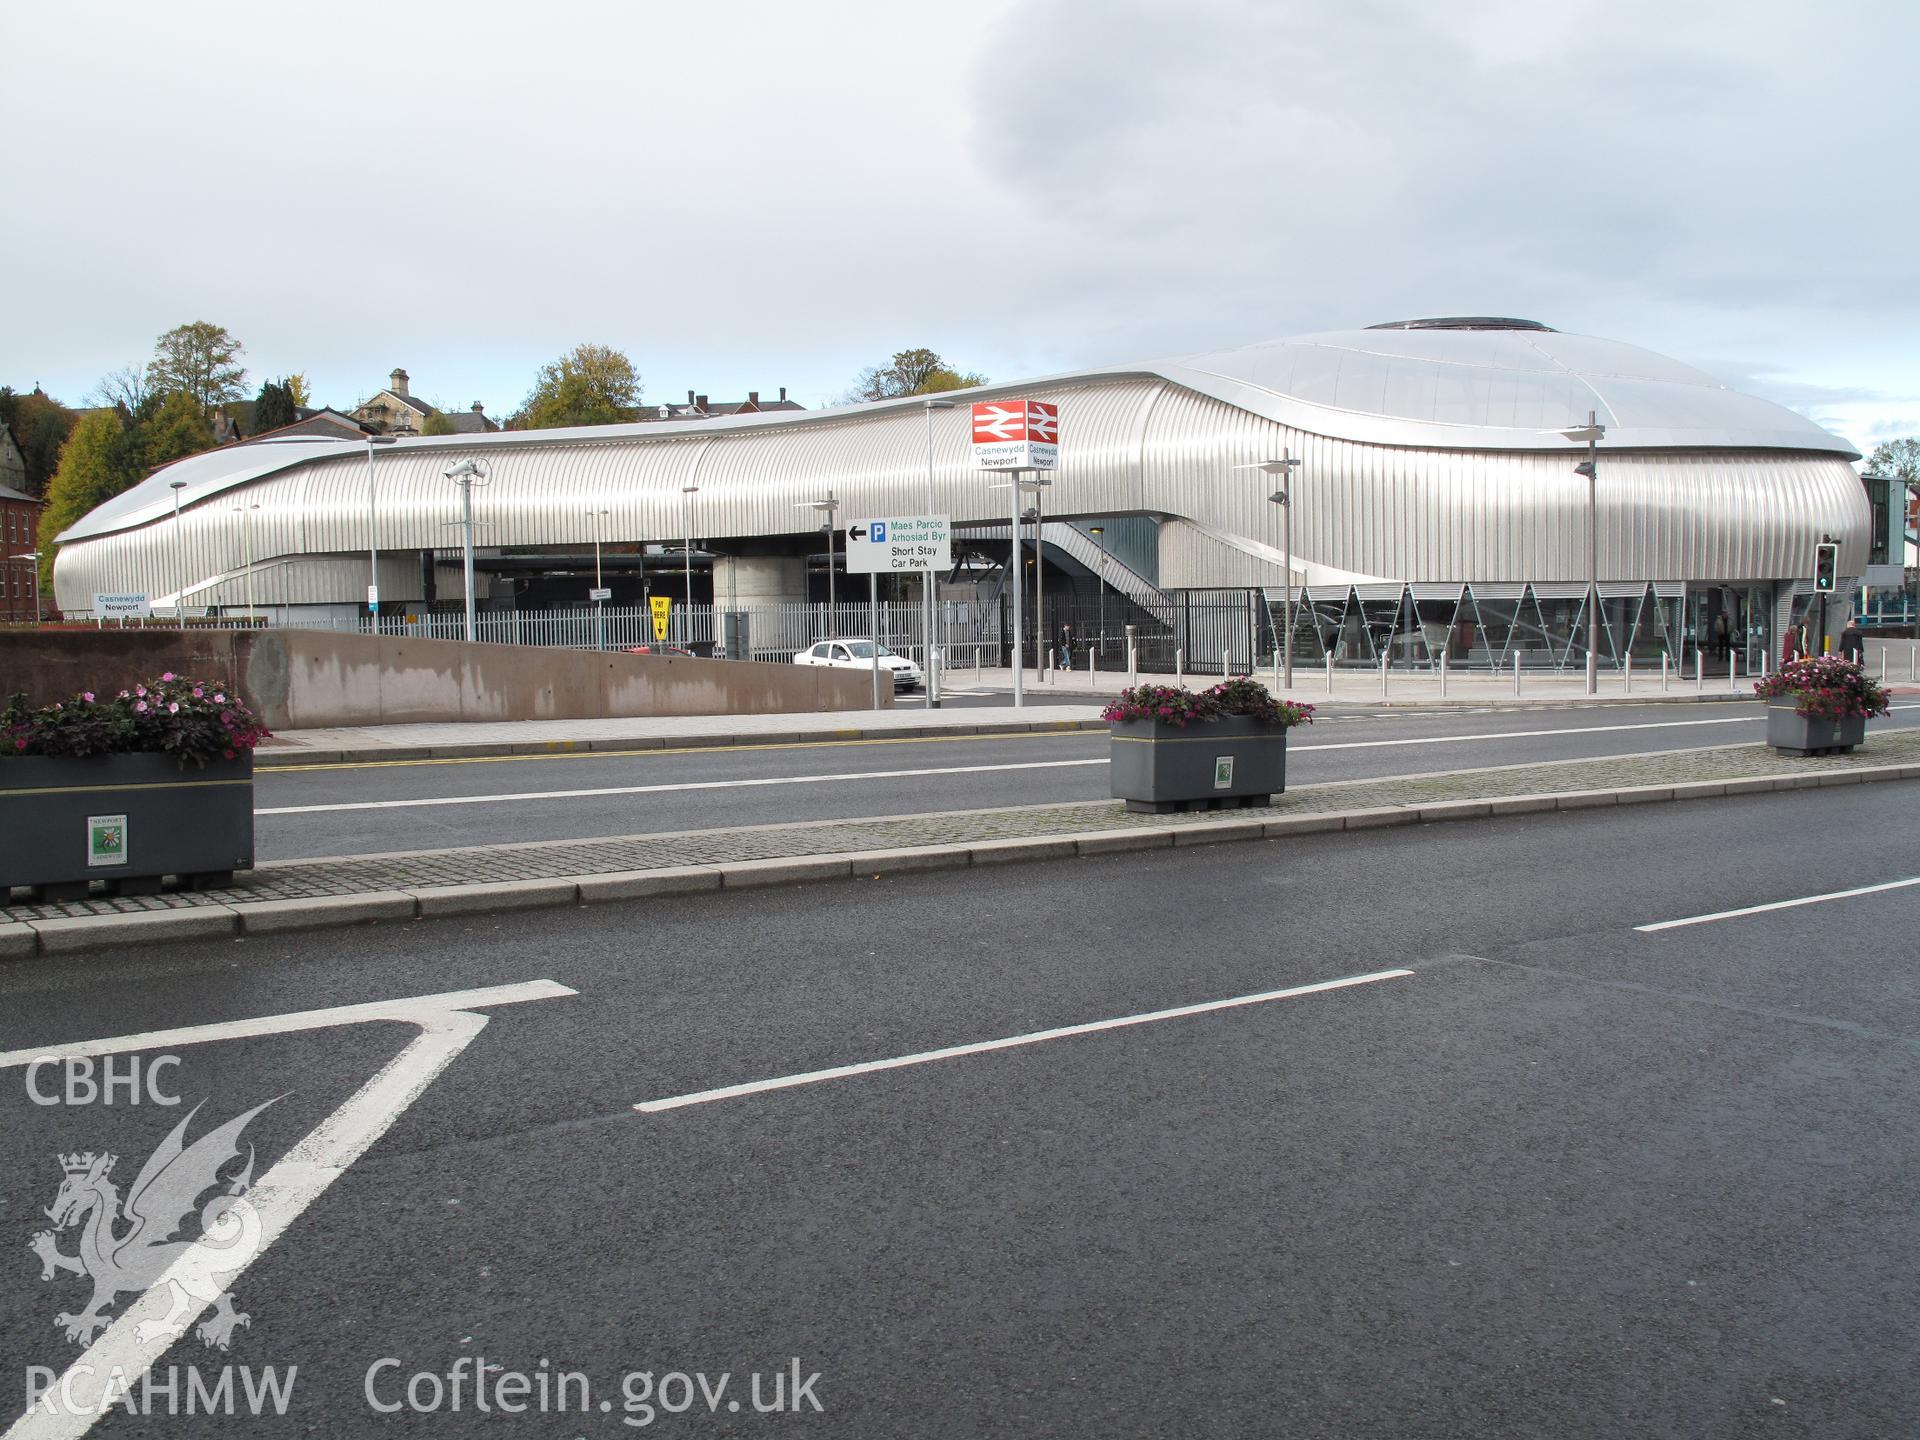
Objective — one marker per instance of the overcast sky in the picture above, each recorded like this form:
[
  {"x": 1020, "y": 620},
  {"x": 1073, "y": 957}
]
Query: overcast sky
[{"x": 769, "y": 194}]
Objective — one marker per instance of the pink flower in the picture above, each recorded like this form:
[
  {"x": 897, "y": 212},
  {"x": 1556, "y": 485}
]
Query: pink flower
[
  {"x": 168, "y": 676},
  {"x": 174, "y": 708},
  {"x": 19, "y": 744},
  {"x": 138, "y": 690},
  {"x": 87, "y": 695},
  {"x": 123, "y": 695},
  {"x": 218, "y": 698},
  {"x": 229, "y": 754},
  {"x": 140, "y": 705},
  {"x": 198, "y": 692}
]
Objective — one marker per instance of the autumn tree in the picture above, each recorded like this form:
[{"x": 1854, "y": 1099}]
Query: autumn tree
[
  {"x": 99, "y": 460},
  {"x": 301, "y": 391},
  {"x": 39, "y": 425},
  {"x": 200, "y": 360},
  {"x": 176, "y": 430},
  {"x": 437, "y": 424},
  {"x": 591, "y": 385},
  {"x": 911, "y": 372}
]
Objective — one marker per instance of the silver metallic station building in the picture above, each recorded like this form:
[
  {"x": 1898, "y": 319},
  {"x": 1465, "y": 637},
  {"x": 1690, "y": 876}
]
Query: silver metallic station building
[{"x": 1436, "y": 510}]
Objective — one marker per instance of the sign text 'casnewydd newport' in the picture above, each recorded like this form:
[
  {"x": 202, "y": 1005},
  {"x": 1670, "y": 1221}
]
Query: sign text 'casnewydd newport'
[
  {"x": 911, "y": 542},
  {"x": 1016, "y": 434}
]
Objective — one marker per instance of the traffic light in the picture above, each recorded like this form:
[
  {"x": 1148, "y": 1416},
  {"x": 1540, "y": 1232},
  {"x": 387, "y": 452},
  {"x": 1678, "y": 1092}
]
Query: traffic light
[{"x": 1826, "y": 566}]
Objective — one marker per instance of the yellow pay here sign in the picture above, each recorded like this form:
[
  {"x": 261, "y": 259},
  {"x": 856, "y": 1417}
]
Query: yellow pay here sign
[{"x": 662, "y": 606}]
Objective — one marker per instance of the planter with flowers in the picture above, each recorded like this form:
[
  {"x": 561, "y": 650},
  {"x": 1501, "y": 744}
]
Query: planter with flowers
[
  {"x": 1820, "y": 705},
  {"x": 154, "y": 781},
  {"x": 1175, "y": 749}
]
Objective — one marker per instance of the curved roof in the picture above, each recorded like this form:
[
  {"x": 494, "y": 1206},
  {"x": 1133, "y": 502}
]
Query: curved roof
[
  {"x": 1491, "y": 385},
  {"x": 1455, "y": 384}
]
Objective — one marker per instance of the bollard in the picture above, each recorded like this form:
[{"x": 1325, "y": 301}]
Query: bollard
[
  {"x": 1733, "y": 680},
  {"x": 1699, "y": 673},
  {"x": 1443, "y": 674},
  {"x": 1883, "y": 663},
  {"x": 1384, "y": 658},
  {"x": 1225, "y": 662},
  {"x": 1664, "y": 658},
  {"x": 1516, "y": 672},
  {"x": 1629, "y": 672},
  {"x": 1329, "y": 671},
  {"x": 1093, "y": 663},
  {"x": 1133, "y": 666},
  {"x": 1179, "y": 667}
]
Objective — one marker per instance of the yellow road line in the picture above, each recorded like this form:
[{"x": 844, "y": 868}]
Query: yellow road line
[{"x": 675, "y": 750}]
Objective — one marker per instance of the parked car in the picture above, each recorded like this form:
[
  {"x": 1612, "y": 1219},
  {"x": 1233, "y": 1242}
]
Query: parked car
[
  {"x": 659, "y": 650},
  {"x": 858, "y": 655}
]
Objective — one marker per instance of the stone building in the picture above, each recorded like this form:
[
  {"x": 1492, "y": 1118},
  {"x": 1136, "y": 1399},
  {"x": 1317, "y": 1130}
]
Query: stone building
[
  {"x": 19, "y": 534},
  {"x": 397, "y": 411}
]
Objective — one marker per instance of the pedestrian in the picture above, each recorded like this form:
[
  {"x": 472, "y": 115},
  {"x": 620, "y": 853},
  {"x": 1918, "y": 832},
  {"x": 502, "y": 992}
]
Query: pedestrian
[
  {"x": 1853, "y": 644},
  {"x": 1720, "y": 647},
  {"x": 1066, "y": 646}
]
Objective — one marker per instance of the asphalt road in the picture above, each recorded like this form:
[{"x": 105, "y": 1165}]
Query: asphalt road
[
  {"x": 363, "y": 809},
  {"x": 1565, "y": 1178}
]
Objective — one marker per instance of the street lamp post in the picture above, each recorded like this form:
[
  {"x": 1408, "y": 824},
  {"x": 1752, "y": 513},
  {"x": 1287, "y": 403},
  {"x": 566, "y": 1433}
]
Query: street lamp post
[
  {"x": 179, "y": 560},
  {"x": 373, "y": 535},
  {"x": 465, "y": 474},
  {"x": 825, "y": 507},
  {"x": 1099, "y": 533},
  {"x": 245, "y": 512},
  {"x": 1591, "y": 433},
  {"x": 1283, "y": 497},
  {"x": 927, "y": 607},
  {"x": 599, "y": 585},
  {"x": 689, "y": 491}
]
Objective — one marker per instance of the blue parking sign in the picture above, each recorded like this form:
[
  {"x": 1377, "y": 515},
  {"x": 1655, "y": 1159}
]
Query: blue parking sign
[{"x": 879, "y": 533}]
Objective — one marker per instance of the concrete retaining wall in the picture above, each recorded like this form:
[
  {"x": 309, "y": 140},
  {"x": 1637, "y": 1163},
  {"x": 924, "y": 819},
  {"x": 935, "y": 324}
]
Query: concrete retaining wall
[{"x": 302, "y": 679}]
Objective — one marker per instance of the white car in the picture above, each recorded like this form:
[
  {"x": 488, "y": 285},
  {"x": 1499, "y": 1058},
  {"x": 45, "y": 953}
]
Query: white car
[{"x": 858, "y": 655}]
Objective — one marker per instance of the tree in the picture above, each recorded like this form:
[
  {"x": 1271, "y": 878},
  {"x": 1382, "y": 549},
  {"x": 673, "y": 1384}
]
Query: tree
[
  {"x": 591, "y": 385},
  {"x": 98, "y": 461},
  {"x": 301, "y": 391},
  {"x": 177, "y": 430},
  {"x": 273, "y": 407},
  {"x": 125, "y": 388},
  {"x": 1899, "y": 458},
  {"x": 911, "y": 372},
  {"x": 198, "y": 359},
  {"x": 40, "y": 425},
  {"x": 436, "y": 424}
]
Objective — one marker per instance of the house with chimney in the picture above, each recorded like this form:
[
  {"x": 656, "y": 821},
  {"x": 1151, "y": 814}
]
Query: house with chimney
[
  {"x": 397, "y": 411},
  {"x": 699, "y": 407}
]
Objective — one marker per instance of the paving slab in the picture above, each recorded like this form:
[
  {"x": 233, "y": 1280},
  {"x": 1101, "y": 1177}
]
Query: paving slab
[
  {"x": 267, "y": 917},
  {"x": 497, "y": 895},
  {"x": 150, "y": 927}
]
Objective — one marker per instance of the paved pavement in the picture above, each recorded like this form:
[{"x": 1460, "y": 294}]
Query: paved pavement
[{"x": 350, "y": 890}]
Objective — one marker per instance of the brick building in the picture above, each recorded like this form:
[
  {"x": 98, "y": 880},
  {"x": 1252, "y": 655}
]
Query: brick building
[{"x": 19, "y": 532}]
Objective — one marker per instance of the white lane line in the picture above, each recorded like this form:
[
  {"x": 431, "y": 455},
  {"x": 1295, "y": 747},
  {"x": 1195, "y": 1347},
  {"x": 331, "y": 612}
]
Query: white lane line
[
  {"x": 662, "y": 789},
  {"x": 952, "y": 1052},
  {"x": 1778, "y": 905},
  {"x": 82, "y": 1396},
  {"x": 416, "y": 1009}
]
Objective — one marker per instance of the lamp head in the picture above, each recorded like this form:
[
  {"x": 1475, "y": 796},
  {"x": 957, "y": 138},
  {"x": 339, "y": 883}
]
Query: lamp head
[
  {"x": 1584, "y": 468},
  {"x": 1273, "y": 467}
]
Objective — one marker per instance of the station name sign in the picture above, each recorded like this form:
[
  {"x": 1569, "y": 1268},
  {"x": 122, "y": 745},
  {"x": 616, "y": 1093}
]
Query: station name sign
[
  {"x": 1016, "y": 434},
  {"x": 139, "y": 605}
]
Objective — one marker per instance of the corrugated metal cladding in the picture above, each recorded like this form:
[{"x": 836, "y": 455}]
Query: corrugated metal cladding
[{"x": 1135, "y": 444}]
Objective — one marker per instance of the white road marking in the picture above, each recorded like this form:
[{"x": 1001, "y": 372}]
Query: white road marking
[
  {"x": 868, "y": 1067},
  {"x": 447, "y": 1027},
  {"x": 413, "y": 1008},
  {"x": 674, "y": 787},
  {"x": 1779, "y": 905},
  {"x": 661, "y": 789}
]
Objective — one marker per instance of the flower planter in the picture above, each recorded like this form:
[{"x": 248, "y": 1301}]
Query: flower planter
[
  {"x": 127, "y": 819},
  {"x": 1229, "y": 761},
  {"x": 1795, "y": 734}
]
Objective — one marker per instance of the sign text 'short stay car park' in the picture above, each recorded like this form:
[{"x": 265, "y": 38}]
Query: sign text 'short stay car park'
[{"x": 1016, "y": 434}]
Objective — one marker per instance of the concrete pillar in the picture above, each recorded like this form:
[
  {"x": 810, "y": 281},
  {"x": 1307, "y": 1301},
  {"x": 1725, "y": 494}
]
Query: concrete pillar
[{"x": 749, "y": 581}]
